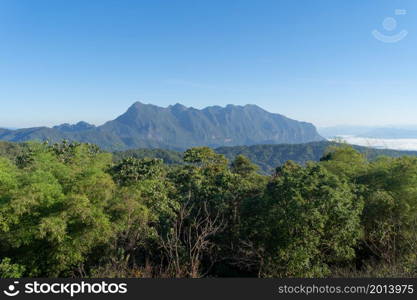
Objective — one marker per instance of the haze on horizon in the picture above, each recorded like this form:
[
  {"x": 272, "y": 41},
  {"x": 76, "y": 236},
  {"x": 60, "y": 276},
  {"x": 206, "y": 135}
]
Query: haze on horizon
[{"x": 313, "y": 61}]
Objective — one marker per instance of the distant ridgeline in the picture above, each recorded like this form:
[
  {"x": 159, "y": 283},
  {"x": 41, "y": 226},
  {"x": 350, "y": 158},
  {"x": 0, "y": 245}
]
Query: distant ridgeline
[
  {"x": 178, "y": 128},
  {"x": 267, "y": 157}
]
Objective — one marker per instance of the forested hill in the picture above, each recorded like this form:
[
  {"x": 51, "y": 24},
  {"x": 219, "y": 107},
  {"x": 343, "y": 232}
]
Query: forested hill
[
  {"x": 267, "y": 157},
  {"x": 177, "y": 127}
]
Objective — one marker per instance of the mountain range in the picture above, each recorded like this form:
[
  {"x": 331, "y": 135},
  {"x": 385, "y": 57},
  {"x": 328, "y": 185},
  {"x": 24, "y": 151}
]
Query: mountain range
[
  {"x": 178, "y": 127},
  {"x": 390, "y": 133}
]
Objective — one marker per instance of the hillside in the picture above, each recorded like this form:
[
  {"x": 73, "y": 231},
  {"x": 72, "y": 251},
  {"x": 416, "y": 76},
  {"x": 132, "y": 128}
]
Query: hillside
[
  {"x": 267, "y": 157},
  {"x": 178, "y": 127}
]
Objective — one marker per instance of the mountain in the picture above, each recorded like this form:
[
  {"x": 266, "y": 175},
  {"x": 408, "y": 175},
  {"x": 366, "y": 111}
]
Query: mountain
[
  {"x": 178, "y": 127},
  {"x": 80, "y": 126},
  {"x": 9, "y": 128},
  {"x": 340, "y": 130},
  {"x": 390, "y": 133}
]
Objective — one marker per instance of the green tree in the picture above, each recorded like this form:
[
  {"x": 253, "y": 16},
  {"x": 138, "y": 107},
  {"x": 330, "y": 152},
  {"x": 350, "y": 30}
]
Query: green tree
[
  {"x": 56, "y": 214},
  {"x": 140, "y": 207},
  {"x": 10, "y": 270},
  {"x": 390, "y": 213},
  {"x": 343, "y": 160},
  {"x": 243, "y": 166},
  {"x": 311, "y": 221},
  {"x": 202, "y": 191}
]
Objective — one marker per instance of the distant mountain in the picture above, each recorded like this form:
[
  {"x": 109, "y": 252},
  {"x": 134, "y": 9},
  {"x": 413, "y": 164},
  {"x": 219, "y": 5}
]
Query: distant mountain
[
  {"x": 178, "y": 127},
  {"x": 340, "y": 130},
  {"x": 9, "y": 128},
  {"x": 390, "y": 133},
  {"x": 80, "y": 126}
]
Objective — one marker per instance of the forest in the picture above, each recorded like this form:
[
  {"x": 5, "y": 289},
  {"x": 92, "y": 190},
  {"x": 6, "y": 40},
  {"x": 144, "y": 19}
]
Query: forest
[
  {"x": 267, "y": 157},
  {"x": 73, "y": 210}
]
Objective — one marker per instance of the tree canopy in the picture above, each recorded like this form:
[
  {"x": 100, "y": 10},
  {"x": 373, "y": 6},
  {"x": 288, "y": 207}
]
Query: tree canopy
[{"x": 72, "y": 210}]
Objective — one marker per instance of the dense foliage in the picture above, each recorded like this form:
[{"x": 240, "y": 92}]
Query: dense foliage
[
  {"x": 168, "y": 156},
  {"x": 268, "y": 157},
  {"x": 70, "y": 209}
]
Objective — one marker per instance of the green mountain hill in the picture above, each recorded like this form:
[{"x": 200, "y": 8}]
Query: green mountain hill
[{"x": 267, "y": 157}]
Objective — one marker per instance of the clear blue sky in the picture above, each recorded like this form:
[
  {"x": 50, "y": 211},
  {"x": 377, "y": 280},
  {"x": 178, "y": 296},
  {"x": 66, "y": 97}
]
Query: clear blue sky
[{"x": 313, "y": 60}]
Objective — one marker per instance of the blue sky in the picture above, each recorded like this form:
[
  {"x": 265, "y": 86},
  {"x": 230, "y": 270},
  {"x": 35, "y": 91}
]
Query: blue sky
[{"x": 312, "y": 60}]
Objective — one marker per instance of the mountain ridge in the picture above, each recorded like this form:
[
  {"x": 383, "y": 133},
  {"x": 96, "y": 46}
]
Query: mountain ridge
[
  {"x": 267, "y": 157},
  {"x": 178, "y": 127}
]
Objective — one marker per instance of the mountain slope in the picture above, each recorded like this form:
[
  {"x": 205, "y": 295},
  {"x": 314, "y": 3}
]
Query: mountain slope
[
  {"x": 178, "y": 127},
  {"x": 267, "y": 157}
]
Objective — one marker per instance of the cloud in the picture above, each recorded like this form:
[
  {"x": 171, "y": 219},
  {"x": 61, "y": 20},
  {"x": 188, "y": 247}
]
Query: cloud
[{"x": 395, "y": 144}]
